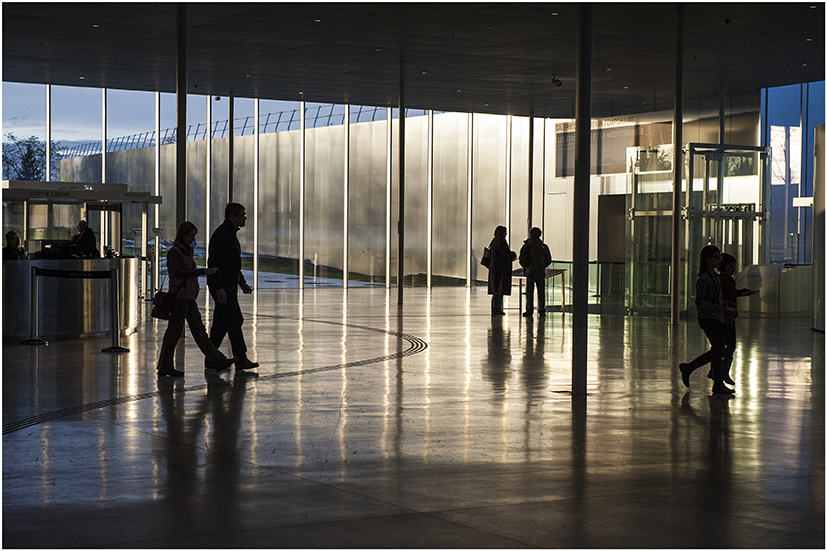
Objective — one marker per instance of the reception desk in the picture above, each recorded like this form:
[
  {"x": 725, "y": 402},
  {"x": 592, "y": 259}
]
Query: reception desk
[{"x": 68, "y": 307}]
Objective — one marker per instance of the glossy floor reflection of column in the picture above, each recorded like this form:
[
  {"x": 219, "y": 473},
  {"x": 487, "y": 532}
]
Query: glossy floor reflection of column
[{"x": 439, "y": 427}]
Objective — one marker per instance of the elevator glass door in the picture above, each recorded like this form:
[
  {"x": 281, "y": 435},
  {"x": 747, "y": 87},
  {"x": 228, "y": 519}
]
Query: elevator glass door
[
  {"x": 724, "y": 206},
  {"x": 649, "y": 229}
]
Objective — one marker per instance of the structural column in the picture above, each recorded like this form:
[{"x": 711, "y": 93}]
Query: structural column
[
  {"x": 582, "y": 184},
  {"x": 181, "y": 119},
  {"x": 302, "y": 185},
  {"x": 677, "y": 166},
  {"x": 346, "y": 201},
  {"x": 530, "y": 173},
  {"x": 400, "y": 258},
  {"x": 230, "y": 148}
]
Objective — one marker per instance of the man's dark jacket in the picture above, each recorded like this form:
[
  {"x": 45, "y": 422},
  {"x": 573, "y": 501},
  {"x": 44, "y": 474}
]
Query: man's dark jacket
[{"x": 225, "y": 254}]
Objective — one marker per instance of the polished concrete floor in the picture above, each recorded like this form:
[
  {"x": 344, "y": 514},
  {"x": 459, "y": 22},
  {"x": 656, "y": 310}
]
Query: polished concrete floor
[{"x": 431, "y": 425}]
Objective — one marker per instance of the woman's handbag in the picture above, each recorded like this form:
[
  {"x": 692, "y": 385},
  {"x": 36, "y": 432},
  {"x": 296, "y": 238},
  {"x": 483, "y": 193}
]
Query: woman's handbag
[
  {"x": 486, "y": 257},
  {"x": 162, "y": 304}
]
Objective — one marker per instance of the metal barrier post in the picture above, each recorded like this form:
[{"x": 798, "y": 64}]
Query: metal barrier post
[
  {"x": 116, "y": 318},
  {"x": 35, "y": 321}
]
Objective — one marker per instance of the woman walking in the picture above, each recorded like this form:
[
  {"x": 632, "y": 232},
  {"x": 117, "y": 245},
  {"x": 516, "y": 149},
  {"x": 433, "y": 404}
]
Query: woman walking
[
  {"x": 499, "y": 272},
  {"x": 709, "y": 302},
  {"x": 183, "y": 290}
]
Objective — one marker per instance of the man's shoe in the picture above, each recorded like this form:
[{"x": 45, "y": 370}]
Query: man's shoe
[
  {"x": 685, "y": 374},
  {"x": 223, "y": 365},
  {"x": 170, "y": 373},
  {"x": 728, "y": 380},
  {"x": 526, "y": 314},
  {"x": 245, "y": 363},
  {"x": 721, "y": 389}
]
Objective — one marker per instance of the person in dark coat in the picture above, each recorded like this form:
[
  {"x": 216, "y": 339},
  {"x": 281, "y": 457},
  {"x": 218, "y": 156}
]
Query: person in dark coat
[
  {"x": 183, "y": 288},
  {"x": 225, "y": 254},
  {"x": 534, "y": 257},
  {"x": 499, "y": 271},
  {"x": 13, "y": 249},
  {"x": 84, "y": 240}
]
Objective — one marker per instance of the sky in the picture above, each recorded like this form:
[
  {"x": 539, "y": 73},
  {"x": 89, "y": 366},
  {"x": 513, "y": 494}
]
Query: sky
[{"x": 77, "y": 113}]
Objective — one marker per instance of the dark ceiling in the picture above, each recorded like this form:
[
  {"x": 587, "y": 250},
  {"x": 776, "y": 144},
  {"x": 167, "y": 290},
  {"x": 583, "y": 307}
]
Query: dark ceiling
[{"x": 486, "y": 58}]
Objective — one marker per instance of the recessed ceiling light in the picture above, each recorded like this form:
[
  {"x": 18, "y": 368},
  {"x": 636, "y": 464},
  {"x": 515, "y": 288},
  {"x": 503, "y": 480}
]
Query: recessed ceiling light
[
  {"x": 625, "y": 87},
  {"x": 424, "y": 72},
  {"x": 554, "y": 14},
  {"x": 301, "y": 93},
  {"x": 317, "y": 20},
  {"x": 81, "y": 78},
  {"x": 95, "y": 26},
  {"x": 803, "y": 64},
  {"x": 809, "y": 40},
  {"x": 458, "y": 91}
]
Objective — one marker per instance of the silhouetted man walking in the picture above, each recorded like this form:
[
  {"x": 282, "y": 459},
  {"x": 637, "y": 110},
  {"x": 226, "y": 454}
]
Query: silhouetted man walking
[{"x": 225, "y": 254}]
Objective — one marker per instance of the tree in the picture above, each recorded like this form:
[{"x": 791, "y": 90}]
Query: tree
[{"x": 25, "y": 158}]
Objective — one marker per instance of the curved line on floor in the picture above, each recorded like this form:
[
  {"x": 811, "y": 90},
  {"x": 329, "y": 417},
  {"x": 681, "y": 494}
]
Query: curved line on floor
[{"x": 417, "y": 345}]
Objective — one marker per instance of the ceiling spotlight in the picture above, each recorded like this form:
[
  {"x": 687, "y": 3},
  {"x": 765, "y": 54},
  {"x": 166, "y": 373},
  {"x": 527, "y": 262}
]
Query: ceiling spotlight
[{"x": 557, "y": 82}]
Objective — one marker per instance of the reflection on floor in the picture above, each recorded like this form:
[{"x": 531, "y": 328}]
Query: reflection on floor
[{"x": 428, "y": 425}]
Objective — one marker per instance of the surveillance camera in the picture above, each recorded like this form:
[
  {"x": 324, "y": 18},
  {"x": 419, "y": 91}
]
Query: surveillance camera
[{"x": 556, "y": 82}]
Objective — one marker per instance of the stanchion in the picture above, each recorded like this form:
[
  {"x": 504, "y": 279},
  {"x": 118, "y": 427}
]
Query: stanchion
[
  {"x": 34, "y": 326},
  {"x": 116, "y": 318}
]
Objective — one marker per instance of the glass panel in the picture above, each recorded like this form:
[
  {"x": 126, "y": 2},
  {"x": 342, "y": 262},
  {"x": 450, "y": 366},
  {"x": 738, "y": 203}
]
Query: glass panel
[
  {"x": 24, "y": 132},
  {"x": 131, "y": 156},
  {"x": 278, "y": 243},
  {"x": 324, "y": 199},
  {"x": 488, "y": 210},
  {"x": 76, "y": 124},
  {"x": 368, "y": 194},
  {"x": 450, "y": 199}
]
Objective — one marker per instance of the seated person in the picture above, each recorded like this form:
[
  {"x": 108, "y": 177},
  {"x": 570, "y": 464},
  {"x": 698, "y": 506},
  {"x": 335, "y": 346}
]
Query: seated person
[
  {"x": 85, "y": 244},
  {"x": 14, "y": 249}
]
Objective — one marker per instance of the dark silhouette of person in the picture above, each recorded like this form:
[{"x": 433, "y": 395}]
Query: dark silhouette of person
[
  {"x": 709, "y": 303},
  {"x": 183, "y": 284},
  {"x": 726, "y": 271},
  {"x": 225, "y": 254},
  {"x": 85, "y": 243},
  {"x": 534, "y": 257},
  {"x": 14, "y": 249},
  {"x": 499, "y": 271}
]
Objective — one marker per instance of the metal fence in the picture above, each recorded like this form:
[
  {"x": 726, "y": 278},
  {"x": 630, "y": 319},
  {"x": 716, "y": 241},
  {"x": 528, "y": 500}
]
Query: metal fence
[{"x": 315, "y": 117}]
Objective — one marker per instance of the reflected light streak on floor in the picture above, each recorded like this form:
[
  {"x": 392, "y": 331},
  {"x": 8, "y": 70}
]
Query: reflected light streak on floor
[{"x": 441, "y": 428}]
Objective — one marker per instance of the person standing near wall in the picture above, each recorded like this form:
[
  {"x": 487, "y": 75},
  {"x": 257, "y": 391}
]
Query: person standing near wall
[
  {"x": 709, "y": 302},
  {"x": 225, "y": 254},
  {"x": 534, "y": 257},
  {"x": 499, "y": 272}
]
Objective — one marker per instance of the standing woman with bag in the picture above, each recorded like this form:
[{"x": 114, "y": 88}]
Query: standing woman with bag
[
  {"x": 499, "y": 271},
  {"x": 183, "y": 290},
  {"x": 709, "y": 302}
]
